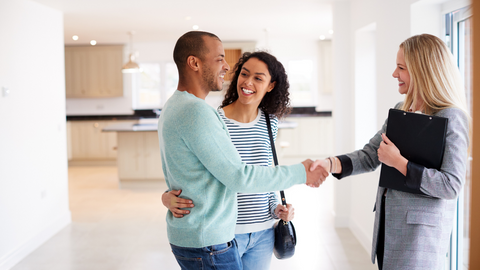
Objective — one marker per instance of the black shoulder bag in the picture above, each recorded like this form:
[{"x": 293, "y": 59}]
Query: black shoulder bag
[{"x": 285, "y": 236}]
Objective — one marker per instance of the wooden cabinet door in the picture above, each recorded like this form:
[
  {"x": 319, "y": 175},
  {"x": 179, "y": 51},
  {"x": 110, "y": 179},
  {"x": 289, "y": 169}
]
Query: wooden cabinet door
[
  {"x": 97, "y": 148},
  {"x": 76, "y": 68},
  {"x": 231, "y": 57},
  {"x": 92, "y": 72},
  {"x": 112, "y": 72},
  {"x": 310, "y": 139},
  {"x": 153, "y": 161},
  {"x": 88, "y": 142},
  {"x": 139, "y": 156},
  {"x": 131, "y": 160},
  {"x": 80, "y": 138}
]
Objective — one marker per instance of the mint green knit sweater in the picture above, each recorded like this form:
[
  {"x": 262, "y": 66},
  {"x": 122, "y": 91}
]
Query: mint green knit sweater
[{"x": 199, "y": 158}]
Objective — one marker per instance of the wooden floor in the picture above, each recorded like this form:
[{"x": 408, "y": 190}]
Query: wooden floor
[{"x": 124, "y": 228}]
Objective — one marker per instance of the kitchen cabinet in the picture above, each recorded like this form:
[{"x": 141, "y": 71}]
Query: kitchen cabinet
[
  {"x": 93, "y": 71},
  {"x": 88, "y": 143},
  {"x": 311, "y": 138},
  {"x": 139, "y": 156},
  {"x": 231, "y": 57}
]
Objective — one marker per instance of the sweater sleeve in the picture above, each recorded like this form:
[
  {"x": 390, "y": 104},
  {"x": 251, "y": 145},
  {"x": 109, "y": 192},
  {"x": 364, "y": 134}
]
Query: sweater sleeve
[{"x": 205, "y": 134}]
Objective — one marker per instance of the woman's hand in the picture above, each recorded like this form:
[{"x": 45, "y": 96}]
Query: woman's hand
[
  {"x": 285, "y": 213},
  {"x": 174, "y": 203},
  {"x": 320, "y": 162},
  {"x": 389, "y": 155}
]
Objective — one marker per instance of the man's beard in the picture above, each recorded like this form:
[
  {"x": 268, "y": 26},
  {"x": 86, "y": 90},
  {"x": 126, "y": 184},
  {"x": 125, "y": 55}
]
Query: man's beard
[{"x": 209, "y": 80}]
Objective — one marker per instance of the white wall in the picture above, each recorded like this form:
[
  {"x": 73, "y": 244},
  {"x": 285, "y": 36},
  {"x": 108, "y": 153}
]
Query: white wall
[
  {"x": 343, "y": 105},
  {"x": 33, "y": 152},
  {"x": 325, "y": 76},
  {"x": 355, "y": 196},
  {"x": 104, "y": 106},
  {"x": 365, "y": 84},
  {"x": 394, "y": 22}
]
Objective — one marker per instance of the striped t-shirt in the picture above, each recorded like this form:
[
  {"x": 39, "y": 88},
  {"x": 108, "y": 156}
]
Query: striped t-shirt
[{"x": 255, "y": 210}]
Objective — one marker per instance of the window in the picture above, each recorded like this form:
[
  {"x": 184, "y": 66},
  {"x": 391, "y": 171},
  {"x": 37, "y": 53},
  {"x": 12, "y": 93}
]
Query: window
[
  {"x": 458, "y": 36},
  {"x": 171, "y": 81},
  {"x": 147, "y": 95},
  {"x": 153, "y": 85},
  {"x": 300, "y": 77}
]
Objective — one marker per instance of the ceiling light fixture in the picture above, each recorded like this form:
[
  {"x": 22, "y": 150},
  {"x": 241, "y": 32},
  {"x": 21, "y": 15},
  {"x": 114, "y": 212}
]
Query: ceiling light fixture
[
  {"x": 195, "y": 27},
  {"x": 322, "y": 37},
  {"x": 93, "y": 42},
  {"x": 75, "y": 37},
  {"x": 131, "y": 66}
]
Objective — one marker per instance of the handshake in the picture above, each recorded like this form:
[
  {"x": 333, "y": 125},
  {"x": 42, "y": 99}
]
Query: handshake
[{"x": 316, "y": 171}]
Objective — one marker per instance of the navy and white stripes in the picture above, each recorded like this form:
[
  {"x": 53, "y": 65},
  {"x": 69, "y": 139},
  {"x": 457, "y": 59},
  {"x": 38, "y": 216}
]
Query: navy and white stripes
[{"x": 255, "y": 210}]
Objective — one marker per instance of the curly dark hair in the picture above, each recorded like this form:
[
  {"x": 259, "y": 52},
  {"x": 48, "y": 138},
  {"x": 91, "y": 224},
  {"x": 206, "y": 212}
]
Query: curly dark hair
[{"x": 277, "y": 101}]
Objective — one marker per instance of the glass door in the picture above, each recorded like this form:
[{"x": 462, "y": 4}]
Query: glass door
[{"x": 459, "y": 39}]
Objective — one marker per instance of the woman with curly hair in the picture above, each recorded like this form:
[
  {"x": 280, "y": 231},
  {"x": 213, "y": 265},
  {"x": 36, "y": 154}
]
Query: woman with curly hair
[{"x": 259, "y": 89}]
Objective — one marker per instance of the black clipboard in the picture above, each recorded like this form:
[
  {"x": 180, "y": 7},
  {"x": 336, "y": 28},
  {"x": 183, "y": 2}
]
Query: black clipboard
[{"x": 420, "y": 139}]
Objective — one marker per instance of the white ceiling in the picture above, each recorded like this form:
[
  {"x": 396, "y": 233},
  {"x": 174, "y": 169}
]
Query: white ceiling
[{"x": 108, "y": 21}]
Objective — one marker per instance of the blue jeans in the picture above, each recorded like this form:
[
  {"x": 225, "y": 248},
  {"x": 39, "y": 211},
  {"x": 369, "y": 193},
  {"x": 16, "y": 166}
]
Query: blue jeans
[
  {"x": 219, "y": 257},
  {"x": 256, "y": 249}
]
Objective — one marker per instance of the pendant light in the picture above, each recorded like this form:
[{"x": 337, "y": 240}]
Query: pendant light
[{"x": 131, "y": 66}]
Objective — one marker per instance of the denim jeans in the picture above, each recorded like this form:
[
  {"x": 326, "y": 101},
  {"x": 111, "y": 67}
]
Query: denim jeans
[
  {"x": 219, "y": 257},
  {"x": 256, "y": 249}
]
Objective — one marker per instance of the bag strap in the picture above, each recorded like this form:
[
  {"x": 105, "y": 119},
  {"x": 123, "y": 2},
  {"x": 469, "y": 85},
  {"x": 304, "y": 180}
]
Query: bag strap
[{"x": 274, "y": 153}]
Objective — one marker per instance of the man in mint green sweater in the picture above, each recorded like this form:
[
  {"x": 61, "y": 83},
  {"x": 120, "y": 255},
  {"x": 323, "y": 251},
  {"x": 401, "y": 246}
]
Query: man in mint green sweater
[{"x": 199, "y": 158}]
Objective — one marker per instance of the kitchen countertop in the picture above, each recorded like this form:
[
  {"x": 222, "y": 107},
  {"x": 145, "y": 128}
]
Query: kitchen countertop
[
  {"x": 152, "y": 114},
  {"x": 151, "y": 125}
]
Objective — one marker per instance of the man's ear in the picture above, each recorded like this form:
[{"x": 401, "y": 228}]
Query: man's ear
[{"x": 193, "y": 63}]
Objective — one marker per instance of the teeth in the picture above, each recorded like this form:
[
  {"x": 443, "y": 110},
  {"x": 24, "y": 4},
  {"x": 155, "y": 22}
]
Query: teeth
[
  {"x": 246, "y": 91},
  {"x": 222, "y": 75}
]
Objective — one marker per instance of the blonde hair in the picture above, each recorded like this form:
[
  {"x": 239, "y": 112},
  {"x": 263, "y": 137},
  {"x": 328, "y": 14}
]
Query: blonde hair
[{"x": 434, "y": 77}]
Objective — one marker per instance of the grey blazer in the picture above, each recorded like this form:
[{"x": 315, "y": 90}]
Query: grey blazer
[{"x": 417, "y": 227}]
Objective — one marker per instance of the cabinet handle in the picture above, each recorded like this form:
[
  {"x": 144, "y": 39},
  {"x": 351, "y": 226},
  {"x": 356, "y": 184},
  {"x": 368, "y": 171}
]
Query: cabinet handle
[
  {"x": 284, "y": 144},
  {"x": 95, "y": 125}
]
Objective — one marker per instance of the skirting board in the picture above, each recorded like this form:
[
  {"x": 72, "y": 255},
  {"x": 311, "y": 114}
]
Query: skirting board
[
  {"x": 361, "y": 236},
  {"x": 15, "y": 256},
  {"x": 341, "y": 221}
]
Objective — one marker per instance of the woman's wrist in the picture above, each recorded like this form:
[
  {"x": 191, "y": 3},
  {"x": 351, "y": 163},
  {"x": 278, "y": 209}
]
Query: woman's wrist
[
  {"x": 401, "y": 165},
  {"x": 329, "y": 162},
  {"x": 335, "y": 165}
]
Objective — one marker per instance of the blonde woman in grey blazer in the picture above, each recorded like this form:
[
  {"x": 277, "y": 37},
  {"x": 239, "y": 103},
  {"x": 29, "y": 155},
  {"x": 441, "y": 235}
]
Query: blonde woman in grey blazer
[{"x": 412, "y": 231}]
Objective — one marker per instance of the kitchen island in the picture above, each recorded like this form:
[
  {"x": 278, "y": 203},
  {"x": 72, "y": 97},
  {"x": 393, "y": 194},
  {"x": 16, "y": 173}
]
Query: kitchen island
[{"x": 138, "y": 151}]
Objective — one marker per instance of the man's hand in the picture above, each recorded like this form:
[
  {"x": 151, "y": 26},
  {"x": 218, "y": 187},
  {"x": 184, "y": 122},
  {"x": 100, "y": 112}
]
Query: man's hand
[
  {"x": 314, "y": 178},
  {"x": 174, "y": 203}
]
